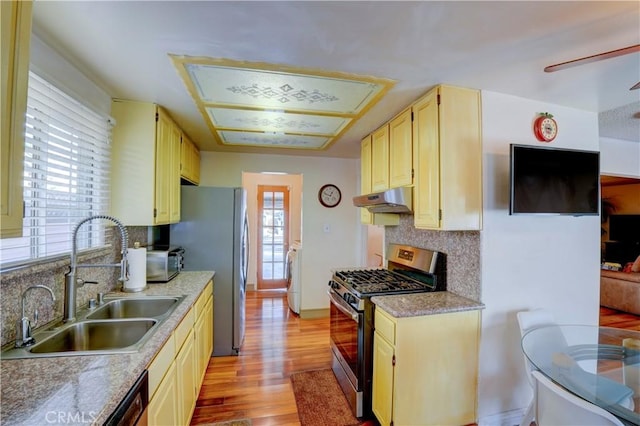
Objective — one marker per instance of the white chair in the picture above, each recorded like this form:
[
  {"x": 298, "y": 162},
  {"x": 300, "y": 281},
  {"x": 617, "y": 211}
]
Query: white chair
[
  {"x": 528, "y": 320},
  {"x": 557, "y": 406}
]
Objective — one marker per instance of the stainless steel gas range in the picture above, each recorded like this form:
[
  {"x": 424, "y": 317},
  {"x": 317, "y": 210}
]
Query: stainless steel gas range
[{"x": 409, "y": 270}]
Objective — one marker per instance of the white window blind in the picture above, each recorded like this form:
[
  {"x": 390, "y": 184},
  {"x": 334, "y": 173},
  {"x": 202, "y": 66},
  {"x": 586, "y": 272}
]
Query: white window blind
[{"x": 66, "y": 174}]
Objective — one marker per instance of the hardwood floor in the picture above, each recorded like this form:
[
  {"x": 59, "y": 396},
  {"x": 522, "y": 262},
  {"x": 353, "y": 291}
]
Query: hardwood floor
[
  {"x": 617, "y": 319},
  {"x": 255, "y": 385}
]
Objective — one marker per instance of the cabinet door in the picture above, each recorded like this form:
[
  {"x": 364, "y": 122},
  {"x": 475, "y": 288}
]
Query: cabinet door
[
  {"x": 459, "y": 112},
  {"x": 204, "y": 339},
  {"x": 400, "y": 151},
  {"x": 382, "y": 392},
  {"x": 365, "y": 175},
  {"x": 16, "y": 34},
  {"x": 162, "y": 169},
  {"x": 174, "y": 174},
  {"x": 163, "y": 407},
  {"x": 186, "y": 376},
  {"x": 436, "y": 386},
  {"x": 190, "y": 161},
  {"x": 380, "y": 159},
  {"x": 426, "y": 140}
]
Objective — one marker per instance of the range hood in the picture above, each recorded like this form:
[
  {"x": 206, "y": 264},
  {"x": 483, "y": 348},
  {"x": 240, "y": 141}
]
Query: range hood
[{"x": 396, "y": 200}]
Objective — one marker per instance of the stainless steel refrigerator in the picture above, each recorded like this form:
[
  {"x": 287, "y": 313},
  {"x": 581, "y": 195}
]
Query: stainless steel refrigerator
[{"x": 214, "y": 234}]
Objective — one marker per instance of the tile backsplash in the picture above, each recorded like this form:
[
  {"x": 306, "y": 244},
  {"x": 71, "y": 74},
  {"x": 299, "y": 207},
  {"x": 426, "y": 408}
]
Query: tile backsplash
[
  {"x": 462, "y": 249},
  {"x": 51, "y": 274}
]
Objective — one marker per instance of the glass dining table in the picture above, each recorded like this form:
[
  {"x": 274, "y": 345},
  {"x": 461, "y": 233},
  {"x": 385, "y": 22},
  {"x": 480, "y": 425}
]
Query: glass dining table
[{"x": 599, "y": 364}]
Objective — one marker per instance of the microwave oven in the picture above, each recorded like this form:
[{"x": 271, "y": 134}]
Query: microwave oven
[{"x": 164, "y": 263}]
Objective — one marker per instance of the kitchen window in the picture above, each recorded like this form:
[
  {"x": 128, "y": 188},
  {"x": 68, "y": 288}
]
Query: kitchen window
[{"x": 66, "y": 175}]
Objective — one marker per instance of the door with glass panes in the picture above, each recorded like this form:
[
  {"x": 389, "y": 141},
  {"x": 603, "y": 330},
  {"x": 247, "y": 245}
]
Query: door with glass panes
[{"x": 273, "y": 231}]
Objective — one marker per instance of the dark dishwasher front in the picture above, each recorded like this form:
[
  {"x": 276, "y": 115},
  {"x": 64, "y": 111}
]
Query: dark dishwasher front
[{"x": 132, "y": 411}]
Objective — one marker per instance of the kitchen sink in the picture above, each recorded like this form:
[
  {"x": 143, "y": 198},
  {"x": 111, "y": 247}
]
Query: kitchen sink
[
  {"x": 119, "y": 325},
  {"x": 101, "y": 336},
  {"x": 147, "y": 307}
]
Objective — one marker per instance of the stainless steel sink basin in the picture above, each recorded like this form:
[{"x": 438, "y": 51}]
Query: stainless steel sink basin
[
  {"x": 120, "y": 325},
  {"x": 147, "y": 307},
  {"x": 101, "y": 336}
]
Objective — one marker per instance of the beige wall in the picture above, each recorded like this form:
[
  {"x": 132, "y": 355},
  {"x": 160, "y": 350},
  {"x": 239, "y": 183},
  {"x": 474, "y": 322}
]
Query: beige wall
[{"x": 321, "y": 251}]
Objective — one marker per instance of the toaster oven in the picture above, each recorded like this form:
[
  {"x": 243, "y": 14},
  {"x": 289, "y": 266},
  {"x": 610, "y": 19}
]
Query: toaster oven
[{"x": 164, "y": 263}]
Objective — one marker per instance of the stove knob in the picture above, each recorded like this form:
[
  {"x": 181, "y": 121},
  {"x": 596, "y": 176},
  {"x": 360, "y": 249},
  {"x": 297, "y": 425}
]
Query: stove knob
[{"x": 348, "y": 298}]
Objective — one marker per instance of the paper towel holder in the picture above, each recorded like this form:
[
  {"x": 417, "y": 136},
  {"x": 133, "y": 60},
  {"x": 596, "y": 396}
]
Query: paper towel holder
[{"x": 137, "y": 269}]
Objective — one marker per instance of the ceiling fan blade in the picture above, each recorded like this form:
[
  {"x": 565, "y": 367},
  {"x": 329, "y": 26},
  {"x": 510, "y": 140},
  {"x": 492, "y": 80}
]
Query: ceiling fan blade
[
  {"x": 636, "y": 86},
  {"x": 593, "y": 58}
]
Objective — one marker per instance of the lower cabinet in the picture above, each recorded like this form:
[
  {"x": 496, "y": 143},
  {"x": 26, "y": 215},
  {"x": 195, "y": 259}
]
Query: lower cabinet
[
  {"x": 177, "y": 371},
  {"x": 163, "y": 407},
  {"x": 425, "y": 368},
  {"x": 204, "y": 339},
  {"x": 187, "y": 385}
]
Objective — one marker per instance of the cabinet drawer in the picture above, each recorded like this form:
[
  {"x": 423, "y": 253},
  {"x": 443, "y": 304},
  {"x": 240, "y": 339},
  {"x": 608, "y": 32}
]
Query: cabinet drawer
[
  {"x": 385, "y": 326},
  {"x": 183, "y": 329},
  {"x": 160, "y": 365},
  {"x": 202, "y": 300}
]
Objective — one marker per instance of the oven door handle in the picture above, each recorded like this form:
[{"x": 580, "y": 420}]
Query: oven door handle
[{"x": 343, "y": 307}]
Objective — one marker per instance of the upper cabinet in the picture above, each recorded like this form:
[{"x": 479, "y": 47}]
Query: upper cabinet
[
  {"x": 145, "y": 174},
  {"x": 447, "y": 143},
  {"x": 365, "y": 175},
  {"x": 400, "y": 150},
  {"x": 190, "y": 161},
  {"x": 380, "y": 159},
  {"x": 367, "y": 217},
  {"x": 15, "y": 26},
  {"x": 392, "y": 153}
]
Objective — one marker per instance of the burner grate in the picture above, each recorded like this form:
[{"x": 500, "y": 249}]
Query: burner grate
[{"x": 377, "y": 281}]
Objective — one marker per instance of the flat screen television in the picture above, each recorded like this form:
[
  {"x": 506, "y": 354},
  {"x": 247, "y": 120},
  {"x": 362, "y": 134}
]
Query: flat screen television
[{"x": 554, "y": 181}]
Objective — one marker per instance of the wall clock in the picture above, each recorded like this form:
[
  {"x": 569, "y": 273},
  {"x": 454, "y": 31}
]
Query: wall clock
[
  {"x": 545, "y": 127},
  {"x": 329, "y": 195}
]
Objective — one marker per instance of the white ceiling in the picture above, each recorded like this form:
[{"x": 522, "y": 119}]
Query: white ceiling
[{"x": 124, "y": 46}]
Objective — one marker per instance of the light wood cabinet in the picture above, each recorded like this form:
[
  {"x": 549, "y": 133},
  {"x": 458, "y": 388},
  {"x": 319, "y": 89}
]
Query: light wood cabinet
[
  {"x": 15, "y": 26},
  {"x": 190, "y": 161},
  {"x": 177, "y": 371},
  {"x": 400, "y": 150},
  {"x": 425, "y": 368},
  {"x": 187, "y": 384},
  {"x": 380, "y": 159},
  {"x": 365, "y": 188},
  {"x": 447, "y": 141},
  {"x": 163, "y": 407},
  {"x": 365, "y": 176},
  {"x": 145, "y": 175},
  {"x": 204, "y": 331}
]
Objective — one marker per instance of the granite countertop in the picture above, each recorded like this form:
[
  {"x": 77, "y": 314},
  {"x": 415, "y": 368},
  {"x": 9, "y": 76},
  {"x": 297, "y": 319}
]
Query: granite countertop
[
  {"x": 418, "y": 304},
  {"x": 87, "y": 389}
]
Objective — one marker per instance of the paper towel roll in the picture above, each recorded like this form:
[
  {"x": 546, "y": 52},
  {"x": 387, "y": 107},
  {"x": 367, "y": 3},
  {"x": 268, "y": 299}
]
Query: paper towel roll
[{"x": 137, "y": 270}]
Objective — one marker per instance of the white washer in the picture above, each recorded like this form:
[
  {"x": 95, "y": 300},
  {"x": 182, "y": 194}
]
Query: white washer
[{"x": 293, "y": 276}]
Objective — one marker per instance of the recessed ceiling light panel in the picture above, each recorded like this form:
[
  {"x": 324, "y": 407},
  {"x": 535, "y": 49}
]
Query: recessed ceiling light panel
[
  {"x": 276, "y": 140},
  {"x": 311, "y": 108},
  {"x": 267, "y": 121}
]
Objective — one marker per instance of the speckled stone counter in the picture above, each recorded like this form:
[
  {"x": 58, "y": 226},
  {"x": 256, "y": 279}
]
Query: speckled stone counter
[
  {"x": 418, "y": 304},
  {"x": 86, "y": 389}
]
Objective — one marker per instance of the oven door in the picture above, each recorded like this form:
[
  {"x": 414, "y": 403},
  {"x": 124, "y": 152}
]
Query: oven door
[{"x": 346, "y": 334}]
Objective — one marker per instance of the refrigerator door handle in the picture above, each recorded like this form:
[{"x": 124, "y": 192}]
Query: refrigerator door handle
[{"x": 245, "y": 251}]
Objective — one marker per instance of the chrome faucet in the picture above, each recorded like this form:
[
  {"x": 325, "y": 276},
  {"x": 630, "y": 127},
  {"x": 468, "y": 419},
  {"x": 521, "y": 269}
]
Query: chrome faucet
[
  {"x": 72, "y": 281},
  {"x": 24, "y": 337}
]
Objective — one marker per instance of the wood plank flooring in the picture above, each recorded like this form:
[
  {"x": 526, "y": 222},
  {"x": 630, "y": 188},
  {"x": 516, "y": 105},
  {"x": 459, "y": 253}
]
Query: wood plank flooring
[{"x": 255, "y": 385}]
